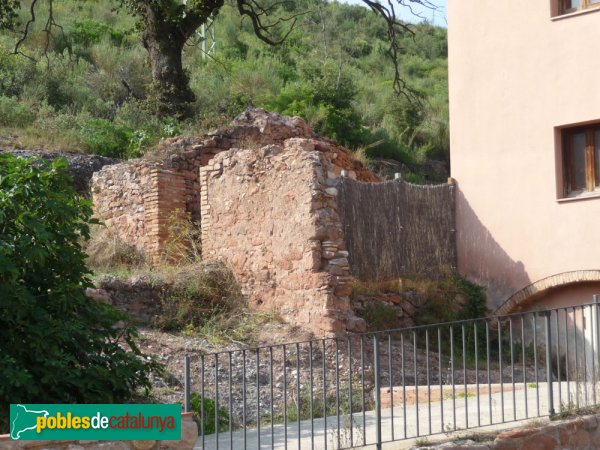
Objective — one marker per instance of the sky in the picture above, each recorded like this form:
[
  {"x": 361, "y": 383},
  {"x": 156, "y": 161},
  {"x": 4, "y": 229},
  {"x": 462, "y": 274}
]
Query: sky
[{"x": 438, "y": 17}]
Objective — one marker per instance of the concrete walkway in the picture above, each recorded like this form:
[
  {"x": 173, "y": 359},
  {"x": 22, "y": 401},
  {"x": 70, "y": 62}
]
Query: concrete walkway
[{"x": 459, "y": 412}]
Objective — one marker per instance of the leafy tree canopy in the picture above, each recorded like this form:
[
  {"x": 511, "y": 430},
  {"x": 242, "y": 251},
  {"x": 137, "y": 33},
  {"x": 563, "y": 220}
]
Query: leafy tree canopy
[
  {"x": 56, "y": 344},
  {"x": 167, "y": 25}
]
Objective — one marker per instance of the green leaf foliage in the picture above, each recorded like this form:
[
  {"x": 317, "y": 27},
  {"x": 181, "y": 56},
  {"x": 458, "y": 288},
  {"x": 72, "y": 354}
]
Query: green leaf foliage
[
  {"x": 333, "y": 70},
  {"x": 56, "y": 344}
]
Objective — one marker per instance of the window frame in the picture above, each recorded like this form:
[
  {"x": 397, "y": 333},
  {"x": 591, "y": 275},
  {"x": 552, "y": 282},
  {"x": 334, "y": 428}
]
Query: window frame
[
  {"x": 585, "y": 4},
  {"x": 591, "y": 176}
]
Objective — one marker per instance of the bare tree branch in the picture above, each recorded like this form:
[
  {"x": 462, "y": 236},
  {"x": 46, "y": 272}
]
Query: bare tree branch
[
  {"x": 255, "y": 12},
  {"x": 394, "y": 26},
  {"x": 26, "y": 30},
  {"x": 47, "y": 30}
]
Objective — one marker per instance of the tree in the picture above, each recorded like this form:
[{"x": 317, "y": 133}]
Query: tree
[
  {"x": 167, "y": 25},
  {"x": 56, "y": 344}
]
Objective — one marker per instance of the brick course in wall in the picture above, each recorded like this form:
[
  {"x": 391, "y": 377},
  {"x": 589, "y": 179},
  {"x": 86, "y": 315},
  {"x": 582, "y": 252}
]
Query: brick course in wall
[{"x": 136, "y": 200}]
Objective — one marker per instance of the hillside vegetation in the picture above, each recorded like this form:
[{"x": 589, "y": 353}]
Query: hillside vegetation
[{"x": 90, "y": 91}]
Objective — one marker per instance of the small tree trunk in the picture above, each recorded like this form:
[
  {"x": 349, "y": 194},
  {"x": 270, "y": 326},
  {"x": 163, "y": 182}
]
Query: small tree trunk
[{"x": 171, "y": 90}]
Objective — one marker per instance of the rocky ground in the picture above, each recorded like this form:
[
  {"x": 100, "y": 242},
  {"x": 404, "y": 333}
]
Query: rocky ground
[
  {"x": 81, "y": 167},
  {"x": 237, "y": 371}
]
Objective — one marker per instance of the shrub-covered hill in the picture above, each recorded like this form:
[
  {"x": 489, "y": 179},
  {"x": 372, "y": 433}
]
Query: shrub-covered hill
[{"x": 90, "y": 91}]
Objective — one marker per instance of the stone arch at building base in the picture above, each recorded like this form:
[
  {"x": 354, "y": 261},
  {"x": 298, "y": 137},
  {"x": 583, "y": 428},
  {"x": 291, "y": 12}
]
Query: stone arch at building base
[{"x": 580, "y": 282}]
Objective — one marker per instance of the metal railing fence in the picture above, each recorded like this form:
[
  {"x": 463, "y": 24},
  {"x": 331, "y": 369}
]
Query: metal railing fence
[{"x": 373, "y": 388}]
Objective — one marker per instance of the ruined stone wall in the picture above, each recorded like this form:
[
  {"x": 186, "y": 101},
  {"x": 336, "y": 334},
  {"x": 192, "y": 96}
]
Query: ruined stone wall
[
  {"x": 265, "y": 191},
  {"x": 136, "y": 200},
  {"x": 271, "y": 214}
]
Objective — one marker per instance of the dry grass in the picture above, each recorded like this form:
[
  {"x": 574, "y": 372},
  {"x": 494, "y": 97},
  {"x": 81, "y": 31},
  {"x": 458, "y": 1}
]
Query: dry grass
[
  {"x": 184, "y": 244},
  {"x": 38, "y": 138},
  {"x": 372, "y": 288},
  {"x": 108, "y": 253}
]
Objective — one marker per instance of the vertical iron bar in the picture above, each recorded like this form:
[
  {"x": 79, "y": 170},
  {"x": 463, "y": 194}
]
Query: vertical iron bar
[
  {"x": 311, "y": 406},
  {"x": 350, "y": 391},
  {"x": 535, "y": 363},
  {"x": 350, "y": 395},
  {"x": 217, "y": 400},
  {"x": 298, "y": 406},
  {"x": 202, "y": 417},
  {"x": 439, "y": 338},
  {"x": 464, "y": 355},
  {"x": 488, "y": 357},
  {"x": 337, "y": 389},
  {"x": 567, "y": 362},
  {"x": 362, "y": 377},
  {"x": 231, "y": 403},
  {"x": 416, "y": 379},
  {"x": 524, "y": 364},
  {"x": 512, "y": 368},
  {"x": 584, "y": 325},
  {"x": 244, "y": 398},
  {"x": 390, "y": 367},
  {"x": 428, "y": 377},
  {"x": 377, "y": 375},
  {"x": 576, "y": 358},
  {"x": 501, "y": 375},
  {"x": 548, "y": 364},
  {"x": 258, "y": 399},
  {"x": 285, "y": 423},
  {"x": 477, "y": 373},
  {"x": 558, "y": 359},
  {"x": 186, "y": 392},
  {"x": 594, "y": 349},
  {"x": 403, "y": 381},
  {"x": 452, "y": 376},
  {"x": 324, "y": 396},
  {"x": 271, "y": 397}
]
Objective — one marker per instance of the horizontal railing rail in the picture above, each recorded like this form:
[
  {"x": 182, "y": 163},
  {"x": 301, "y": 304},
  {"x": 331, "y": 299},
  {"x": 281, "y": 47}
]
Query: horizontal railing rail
[{"x": 373, "y": 388}]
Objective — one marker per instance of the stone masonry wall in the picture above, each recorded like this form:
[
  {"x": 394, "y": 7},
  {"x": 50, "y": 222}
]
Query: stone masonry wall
[
  {"x": 129, "y": 196},
  {"x": 271, "y": 214},
  {"x": 136, "y": 200},
  {"x": 581, "y": 433},
  {"x": 265, "y": 192}
]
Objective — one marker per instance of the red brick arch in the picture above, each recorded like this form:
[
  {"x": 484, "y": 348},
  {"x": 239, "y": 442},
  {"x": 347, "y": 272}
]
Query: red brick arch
[{"x": 528, "y": 293}]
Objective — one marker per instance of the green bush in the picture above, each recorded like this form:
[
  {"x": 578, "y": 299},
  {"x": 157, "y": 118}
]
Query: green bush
[
  {"x": 89, "y": 31},
  {"x": 14, "y": 114},
  {"x": 380, "y": 316},
  {"x": 194, "y": 299},
  {"x": 197, "y": 402},
  {"x": 15, "y": 72},
  {"x": 105, "y": 138},
  {"x": 451, "y": 299},
  {"x": 56, "y": 344}
]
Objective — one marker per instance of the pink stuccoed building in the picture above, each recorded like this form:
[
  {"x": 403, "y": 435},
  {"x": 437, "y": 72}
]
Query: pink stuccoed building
[{"x": 525, "y": 140}]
